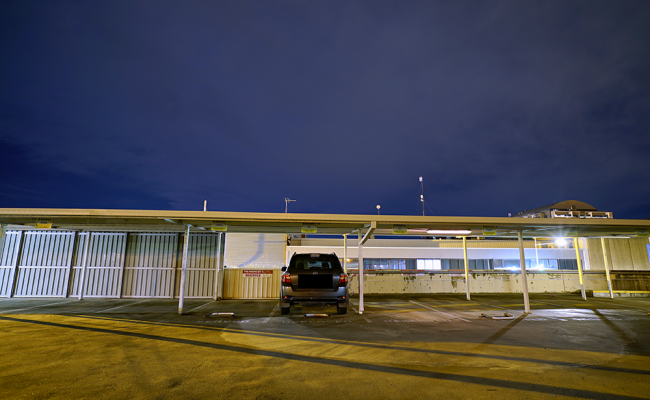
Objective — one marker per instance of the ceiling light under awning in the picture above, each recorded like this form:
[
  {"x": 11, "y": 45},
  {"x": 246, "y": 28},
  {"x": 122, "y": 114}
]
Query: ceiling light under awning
[{"x": 448, "y": 232}]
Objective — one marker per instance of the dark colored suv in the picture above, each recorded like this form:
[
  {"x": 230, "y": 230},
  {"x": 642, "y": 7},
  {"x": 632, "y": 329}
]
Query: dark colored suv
[{"x": 314, "y": 279}]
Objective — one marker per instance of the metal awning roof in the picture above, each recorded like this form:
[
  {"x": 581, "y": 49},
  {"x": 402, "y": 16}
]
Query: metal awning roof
[{"x": 155, "y": 220}]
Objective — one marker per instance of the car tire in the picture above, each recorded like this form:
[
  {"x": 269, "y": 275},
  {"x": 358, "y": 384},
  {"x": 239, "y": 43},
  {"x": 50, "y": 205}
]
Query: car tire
[
  {"x": 285, "y": 310},
  {"x": 341, "y": 310}
]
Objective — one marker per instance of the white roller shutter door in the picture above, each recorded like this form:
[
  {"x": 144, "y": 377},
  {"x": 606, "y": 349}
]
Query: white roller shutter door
[{"x": 255, "y": 250}]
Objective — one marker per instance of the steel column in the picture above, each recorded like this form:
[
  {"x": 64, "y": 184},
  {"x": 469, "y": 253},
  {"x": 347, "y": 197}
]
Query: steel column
[
  {"x": 360, "y": 257},
  {"x": 345, "y": 253},
  {"x": 466, "y": 268},
  {"x": 222, "y": 255},
  {"x": 217, "y": 273},
  {"x": 609, "y": 281},
  {"x": 524, "y": 280},
  {"x": 14, "y": 267},
  {"x": 84, "y": 264},
  {"x": 582, "y": 284},
  {"x": 68, "y": 276},
  {"x": 181, "y": 292},
  {"x": 120, "y": 279}
]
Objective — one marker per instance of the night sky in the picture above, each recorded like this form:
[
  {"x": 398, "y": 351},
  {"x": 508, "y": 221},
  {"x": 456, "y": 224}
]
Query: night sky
[{"x": 501, "y": 106}]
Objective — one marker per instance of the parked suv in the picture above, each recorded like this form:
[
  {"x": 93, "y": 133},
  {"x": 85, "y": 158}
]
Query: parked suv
[{"x": 314, "y": 279}]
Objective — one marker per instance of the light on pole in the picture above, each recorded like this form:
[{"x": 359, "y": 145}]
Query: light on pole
[{"x": 378, "y": 207}]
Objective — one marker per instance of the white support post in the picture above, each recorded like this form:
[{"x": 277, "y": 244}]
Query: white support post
[
  {"x": 360, "y": 257},
  {"x": 466, "y": 268},
  {"x": 582, "y": 283},
  {"x": 222, "y": 260},
  {"x": 524, "y": 280},
  {"x": 84, "y": 265},
  {"x": 362, "y": 240},
  {"x": 68, "y": 273},
  {"x": 217, "y": 273},
  {"x": 3, "y": 232},
  {"x": 123, "y": 266},
  {"x": 345, "y": 253},
  {"x": 609, "y": 281},
  {"x": 181, "y": 290}
]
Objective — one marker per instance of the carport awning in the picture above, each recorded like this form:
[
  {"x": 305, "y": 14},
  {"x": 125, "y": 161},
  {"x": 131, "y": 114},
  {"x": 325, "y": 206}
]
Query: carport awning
[{"x": 154, "y": 220}]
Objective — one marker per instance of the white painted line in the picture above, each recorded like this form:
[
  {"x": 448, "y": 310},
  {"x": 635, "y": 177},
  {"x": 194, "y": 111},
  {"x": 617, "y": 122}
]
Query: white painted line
[
  {"x": 201, "y": 306},
  {"x": 357, "y": 311},
  {"x": 272, "y": 312},
  {"x": 438, "y": 311},
  {"x": 28, "y": 308},
  {"x": 124, "y": 305}
]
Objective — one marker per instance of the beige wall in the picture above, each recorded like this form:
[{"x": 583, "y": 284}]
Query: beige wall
[
  {"x": 489, "y": 282},
  {"x": 622, "y": 254},
  {"x": 238, "y": 286}
]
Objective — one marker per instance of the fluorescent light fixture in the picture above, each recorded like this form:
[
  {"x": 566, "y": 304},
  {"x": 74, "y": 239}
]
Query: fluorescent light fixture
[{"x": 443, "y": 232}]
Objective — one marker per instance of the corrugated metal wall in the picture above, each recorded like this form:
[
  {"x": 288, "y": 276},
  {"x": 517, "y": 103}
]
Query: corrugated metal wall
[
  {"x": 44, "y": 264},
  {"x": 622, "y": 254},
  {"x": 150, "y": 263},
  {"x": 117, "y": 264},
  {"x": 257, "y": 259},
  {"x": 251, "y": 284},
  {"x": 202, "y": 259},
  {"x": 8, "y": 260},
  {"x": 105, "y": 265}
]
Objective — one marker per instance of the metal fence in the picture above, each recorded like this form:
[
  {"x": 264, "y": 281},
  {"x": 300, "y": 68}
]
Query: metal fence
[{"x": 108, "y": 264}]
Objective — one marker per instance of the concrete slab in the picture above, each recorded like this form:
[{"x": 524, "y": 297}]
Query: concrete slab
[{"x": 401, "y": 347}]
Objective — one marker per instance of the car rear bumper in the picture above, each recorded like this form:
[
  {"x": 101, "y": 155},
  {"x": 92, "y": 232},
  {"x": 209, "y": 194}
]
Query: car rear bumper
[{"x": 289, "y": 296}]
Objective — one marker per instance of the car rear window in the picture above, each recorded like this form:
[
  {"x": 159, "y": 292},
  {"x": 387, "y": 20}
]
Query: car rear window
[{"x": 317, "y": 262}]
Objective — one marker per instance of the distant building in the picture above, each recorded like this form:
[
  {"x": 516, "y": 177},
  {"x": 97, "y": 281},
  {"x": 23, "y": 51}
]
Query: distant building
[{"x": 565, "y": 209}]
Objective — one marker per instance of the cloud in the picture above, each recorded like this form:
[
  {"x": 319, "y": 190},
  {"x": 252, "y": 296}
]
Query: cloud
[{"x": 501, "y": 106}]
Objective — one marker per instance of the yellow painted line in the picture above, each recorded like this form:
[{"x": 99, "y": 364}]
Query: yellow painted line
[{"x": 623, "y": 291}]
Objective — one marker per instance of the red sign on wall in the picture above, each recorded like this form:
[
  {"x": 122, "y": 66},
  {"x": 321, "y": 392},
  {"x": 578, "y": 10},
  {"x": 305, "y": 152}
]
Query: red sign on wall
[{"x": 256, "y": 273}]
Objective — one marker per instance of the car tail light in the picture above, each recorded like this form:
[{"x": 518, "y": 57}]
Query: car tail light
[
  {"x": 343, "y": 279},
  {"x": 286, "y": 278}
]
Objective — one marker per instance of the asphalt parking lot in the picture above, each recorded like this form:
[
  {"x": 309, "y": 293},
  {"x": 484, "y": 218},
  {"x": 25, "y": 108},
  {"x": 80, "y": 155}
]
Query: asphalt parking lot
[{"x": 401, "y": 347}]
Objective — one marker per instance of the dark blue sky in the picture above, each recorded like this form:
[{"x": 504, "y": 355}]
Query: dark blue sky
[{"x": 501, "y": 106}]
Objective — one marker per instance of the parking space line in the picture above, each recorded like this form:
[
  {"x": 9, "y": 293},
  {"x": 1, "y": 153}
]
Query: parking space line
[
  {"x": 272, "y": 312},
  {"x": 438, "y": 311},
  {"x": 124, "y": 305},
  {"x": 199, "y": 307},
  {"x": 357, "y": 311},
  {"x": 29, "y": 308}
]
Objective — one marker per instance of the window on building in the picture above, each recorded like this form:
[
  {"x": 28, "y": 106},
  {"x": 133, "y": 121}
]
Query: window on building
[
  {"x": 453, "y": 264},
  {"x": 568, "y": 264},
  {"x": 428, "y": 264}
]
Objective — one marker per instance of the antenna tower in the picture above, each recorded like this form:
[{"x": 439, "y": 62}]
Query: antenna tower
[{"x": 286, "y": 203}]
